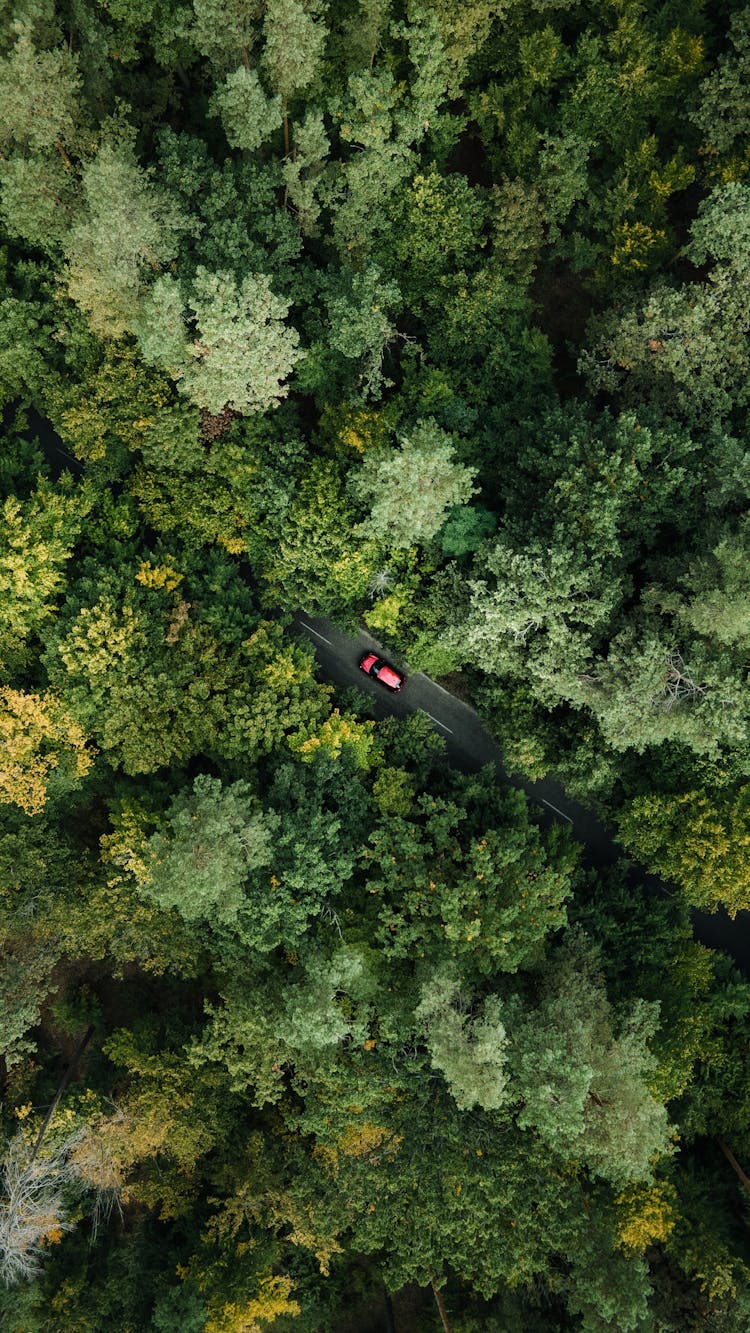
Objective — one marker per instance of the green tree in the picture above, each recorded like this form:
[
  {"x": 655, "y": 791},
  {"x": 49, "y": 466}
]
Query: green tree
[
  {"x": 469, "y": 1050},
  {"x": 715, "y": 595},
  {"x": 535, "y": 614},
  {"x": 722, "y": 114},
  {"x": 241, "y": 351},
  {"x": 249, "y": 116},
  {"x": 361, "y": 307},
  {"x": 224, "y": 31},
  {"x": 583, "y": 1077},
  {"x": 128, "y": 225},
  {"x": 36, "y": 542},
  {"x": 696, "y": 839},
  {"x": 410, "y": 490},
  {"x": 39, "y": 93},
  {"x": 646, "y": 692},
  {"x": 212, "y": 839},
  {"x": 315, "y": 564},
  {"x": 686, "y": 345},
  {"x": 38, "y": 196},
  {"x": 121, "y": 409},
  {"x": 305, "y": 173},
  {"x": 158, "y": 676},
  {"x": 294, "y": 41},
  {"x": 480, "y": 890}
]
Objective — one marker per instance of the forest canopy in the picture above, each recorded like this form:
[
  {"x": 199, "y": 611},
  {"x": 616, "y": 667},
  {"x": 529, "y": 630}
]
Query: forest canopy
[{"x": 428, "y": 317}]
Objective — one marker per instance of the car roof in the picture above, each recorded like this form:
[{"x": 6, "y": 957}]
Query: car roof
[{"x": 390, "y": 676}]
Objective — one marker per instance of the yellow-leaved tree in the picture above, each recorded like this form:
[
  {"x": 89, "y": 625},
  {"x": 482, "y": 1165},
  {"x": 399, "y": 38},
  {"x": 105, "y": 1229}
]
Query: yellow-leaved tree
[
  {"x": 256, "y": 1315},
  {"x": 41, "y": 746},
  {"x": 36, "y": 540}
]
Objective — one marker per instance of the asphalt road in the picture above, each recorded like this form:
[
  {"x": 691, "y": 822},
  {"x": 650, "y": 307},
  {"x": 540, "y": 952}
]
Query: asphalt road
[{"x": 470, "y": 747}]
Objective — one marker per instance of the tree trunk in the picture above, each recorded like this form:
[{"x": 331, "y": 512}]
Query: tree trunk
[
  {"x": 67, "y": 1076},
  {"x": 64, "y": 155},
  {"x": 286, "y": 125},
  {"x": 390, "y": 1321},
  {"x": 727, "y": 1151},
  {"x": 441, "y": 1307}
]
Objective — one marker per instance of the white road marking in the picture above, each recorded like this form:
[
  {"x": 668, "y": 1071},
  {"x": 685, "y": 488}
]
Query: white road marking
[
  {"x": 305, "y": 625},
  {"x": 443, "y": 690},
  {"x": 561, "y": 813},
  {"x": 437, "y": 720}
]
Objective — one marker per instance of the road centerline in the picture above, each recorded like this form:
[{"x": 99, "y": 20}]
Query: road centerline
[
  {"x": 304, "y": 625},
  {"x": 436, "y": 720},
  {"x": 554, "y": 807}
]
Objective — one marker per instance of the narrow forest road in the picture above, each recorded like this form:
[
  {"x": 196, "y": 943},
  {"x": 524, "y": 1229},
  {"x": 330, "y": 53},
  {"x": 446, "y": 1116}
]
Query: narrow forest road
[{"x": 470, "y": 746}]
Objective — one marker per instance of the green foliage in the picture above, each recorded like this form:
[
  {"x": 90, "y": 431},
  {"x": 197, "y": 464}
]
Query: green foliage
[
  {"x": 241, "y": 352},
  {"x": 157, "y": 679},
  {"x": 465, "y": 528},
  {"x": 700, "y": 842},
  {"x": 35, "y": 544},
  {"x": 38, "y": 96},
  {"x": 37, "y": 197},
  {"x": 409, "y": 491},
  {"x": 128, "y": 224},
  {"x": 294, "y": 40},
  {"x": 247, "y": 114},
  {"x": 685, "y": 345},
  {"x": 212, "y": 841},
  {"x": 722, "y": 113},
  {"x": 360, "y": 326},
  {"x": 125, "y": 407},
  {"x": 224, "y": 31},
  {"x": 316, "y": 561},
  {"x": 483, "y": 890},
  {"x": 471, "y": 1053},
  {"x": 344, "y": 1035},
  {"x": 583, "y": 1083}
]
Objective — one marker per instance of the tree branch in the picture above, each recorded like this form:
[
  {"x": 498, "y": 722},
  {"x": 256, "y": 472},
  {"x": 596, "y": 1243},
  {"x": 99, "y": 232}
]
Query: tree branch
[
  {"x": 727, "y": 1151},
  {"x": 67, "y": 1076}
]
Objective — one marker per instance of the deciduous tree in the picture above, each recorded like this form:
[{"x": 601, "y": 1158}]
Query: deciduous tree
[{"x": 410, "y": 490}]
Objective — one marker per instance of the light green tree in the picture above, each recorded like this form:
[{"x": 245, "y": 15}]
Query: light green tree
[
  {"x": 159, "y": 325},
  {"x": 225, "y": 31},
  {"x": 410, "y": 490},
  {"x": 582, "y": 1075},
  {"x": 37, "y": 198},
  {"x": 713, "y": 597},
  {"x": 212, "y": 839},
  {"x": 304, "y": 173},
  {"x": 363, "y": 32},
  {"x": 534, "y": 614},
  {"x": 468, "y": 1049},
  {"x": 647, "y": 691},
  {"x": 723, "y": 115},
  {"x": 38, "y": 97},
  {"x": 243, "y": 351},
  {"x": 248, "y": 115},
  {"x": 129, "y": 225},
  {"x": 294, "y": 41},
  {"x": 381, "y": 163},
  {"x": 361, "y": 309}
]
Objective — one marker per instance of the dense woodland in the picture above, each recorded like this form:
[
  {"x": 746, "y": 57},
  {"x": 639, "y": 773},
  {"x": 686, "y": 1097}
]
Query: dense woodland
[{"x": 429, "y": 316}]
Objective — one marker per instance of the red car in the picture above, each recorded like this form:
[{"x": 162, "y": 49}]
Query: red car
[{"x": 382, "y": 671}]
